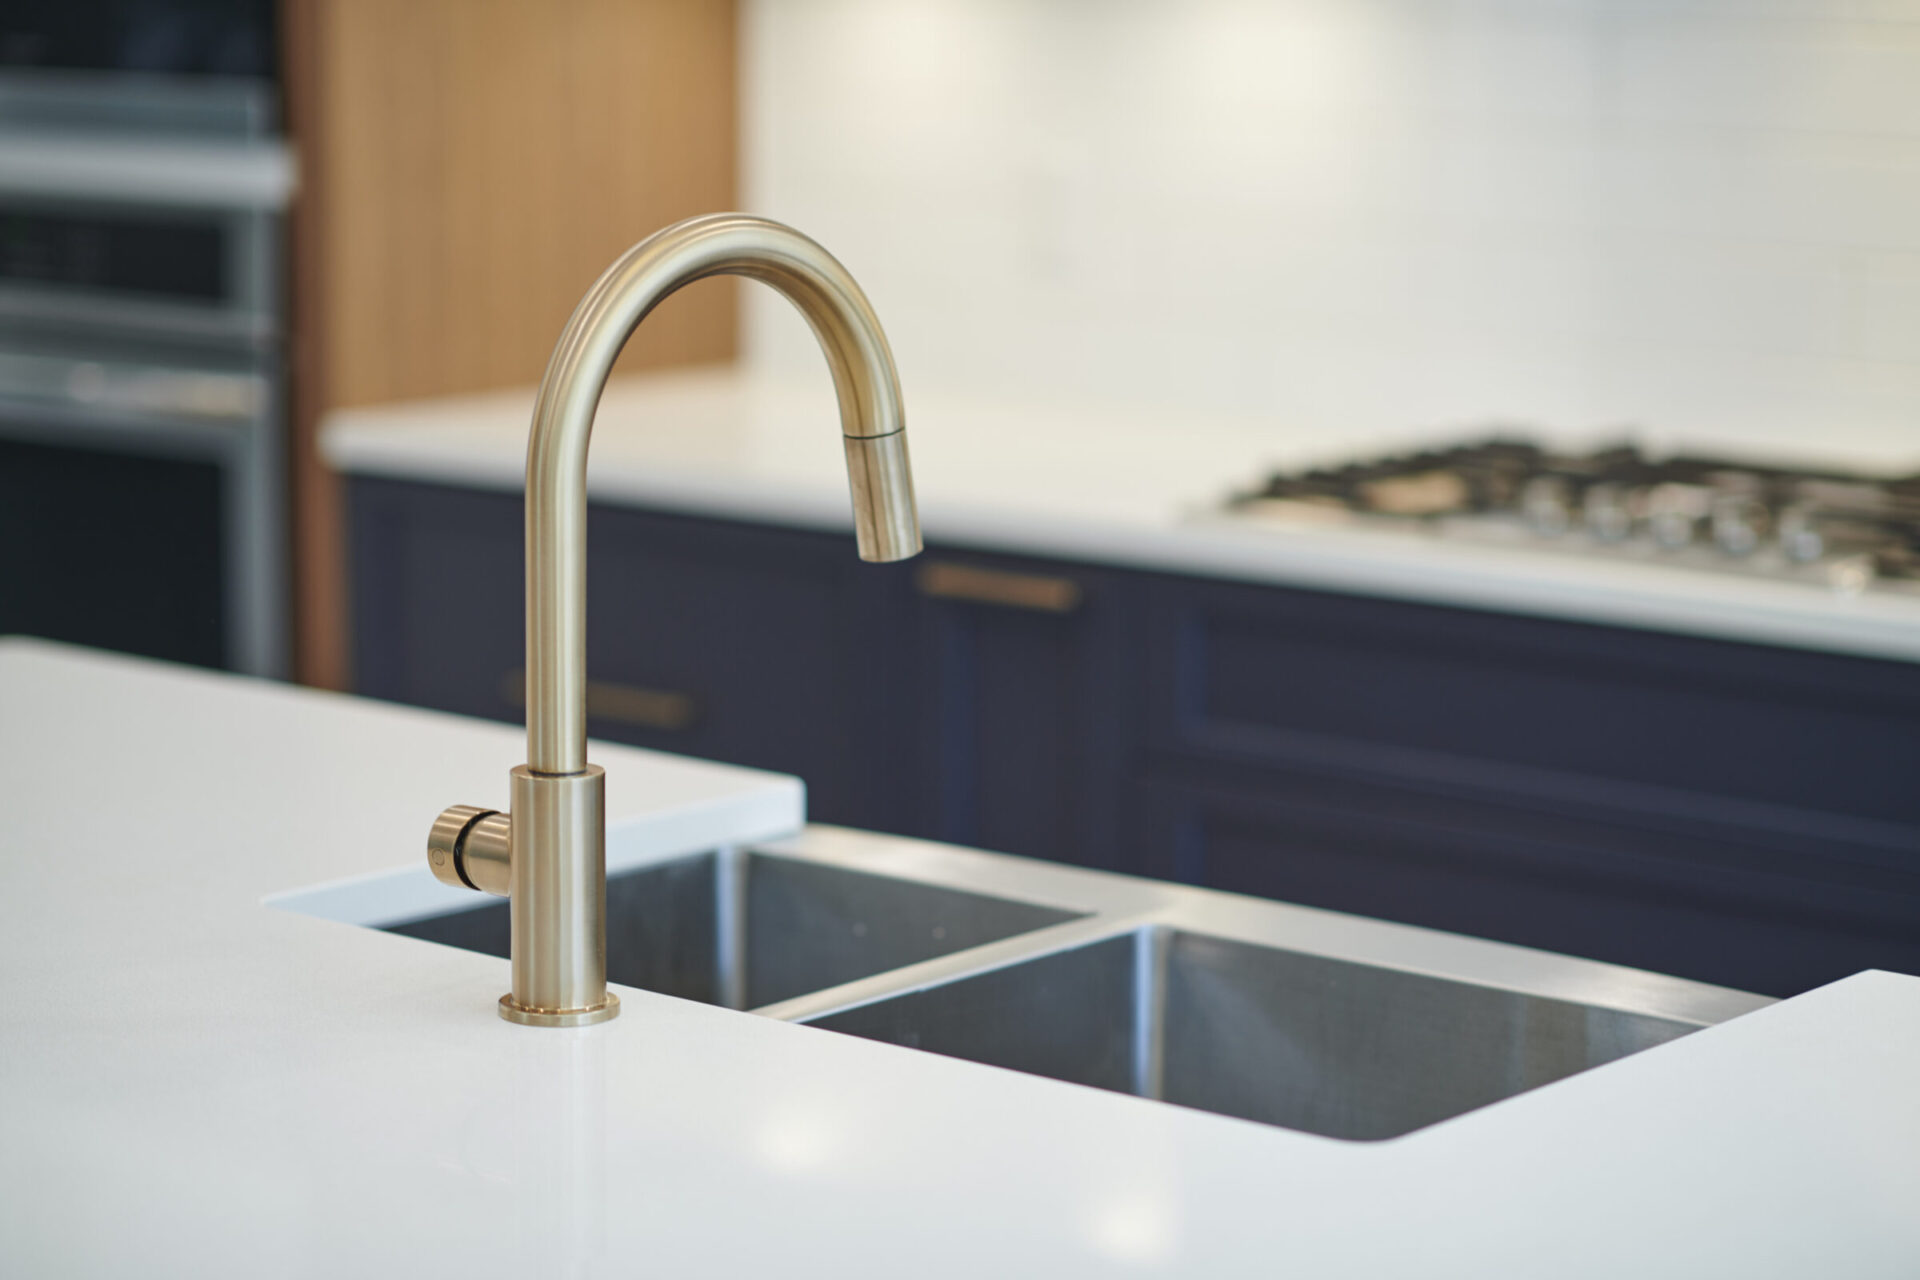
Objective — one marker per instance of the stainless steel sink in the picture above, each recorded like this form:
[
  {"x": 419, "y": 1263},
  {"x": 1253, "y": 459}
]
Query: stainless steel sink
[
  {"x": 1311, "y": 1020},
  {"x": 1327, "y": 1046},
  {"x": 746, "y": 929}
]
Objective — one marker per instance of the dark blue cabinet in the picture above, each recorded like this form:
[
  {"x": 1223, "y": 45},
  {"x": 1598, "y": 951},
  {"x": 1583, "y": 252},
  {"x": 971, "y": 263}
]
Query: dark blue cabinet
[
  {"x": 1735, "y": 813},
  {"x": 1727, "y": 906},
  {"x": 1020, "y": 741},
  {"x": 1732, "y": 733},
  {"x": 768, "y": 648}
]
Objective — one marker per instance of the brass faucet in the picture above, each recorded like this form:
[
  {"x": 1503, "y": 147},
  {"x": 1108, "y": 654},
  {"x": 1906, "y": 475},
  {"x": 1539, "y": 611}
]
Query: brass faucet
[{"x": 549, "y": 855}]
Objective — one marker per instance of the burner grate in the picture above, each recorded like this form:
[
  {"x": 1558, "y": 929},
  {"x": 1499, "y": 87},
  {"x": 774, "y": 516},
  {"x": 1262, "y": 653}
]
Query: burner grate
[{"x": 1846, "y": 530}]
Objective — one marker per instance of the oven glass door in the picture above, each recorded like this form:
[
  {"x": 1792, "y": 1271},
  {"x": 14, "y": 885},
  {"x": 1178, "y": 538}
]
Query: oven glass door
[
  {"x": 117, "y": 549},
  {"x": 140, "y": 502},
  {"x": 114, "y": 267}
]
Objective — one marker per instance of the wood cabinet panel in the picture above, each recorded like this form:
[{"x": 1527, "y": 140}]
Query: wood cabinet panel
[
  {"x": 467, "y": 169},
  {"x": 486, "y": 159}
]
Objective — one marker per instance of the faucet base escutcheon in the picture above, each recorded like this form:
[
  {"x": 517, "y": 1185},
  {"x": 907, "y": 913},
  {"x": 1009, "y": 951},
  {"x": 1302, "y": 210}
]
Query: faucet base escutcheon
[{"x": 513, "y": 1011}]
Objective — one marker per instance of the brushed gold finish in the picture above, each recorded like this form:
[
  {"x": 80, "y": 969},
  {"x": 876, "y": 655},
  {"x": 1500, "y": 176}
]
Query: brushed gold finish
[
  {"x": 443, "y": 843},
  {"x": 559, "y": 890},
  {"x": 556, "y": 837},
  {"x": 513, "y": 1011},
  {"x": 468, "y": 848},
  {"x": 666, "y": 710},
  {"x": 1041, "y": 593},
  {"x": 486, "y": 854},
  {"x": 876, "y": 467}
]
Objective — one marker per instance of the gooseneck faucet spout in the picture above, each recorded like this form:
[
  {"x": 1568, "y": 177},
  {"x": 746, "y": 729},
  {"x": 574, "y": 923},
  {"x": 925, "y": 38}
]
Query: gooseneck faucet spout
[{"x": 549, "y": 855}]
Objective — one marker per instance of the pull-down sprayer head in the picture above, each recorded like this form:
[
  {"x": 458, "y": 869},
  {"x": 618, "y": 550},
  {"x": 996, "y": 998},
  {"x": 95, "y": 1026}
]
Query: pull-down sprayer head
[{"x": 885, "y": 524}]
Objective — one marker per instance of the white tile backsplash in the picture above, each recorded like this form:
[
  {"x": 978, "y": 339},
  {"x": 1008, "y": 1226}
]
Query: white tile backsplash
[{"x": 1701, "y": 216}]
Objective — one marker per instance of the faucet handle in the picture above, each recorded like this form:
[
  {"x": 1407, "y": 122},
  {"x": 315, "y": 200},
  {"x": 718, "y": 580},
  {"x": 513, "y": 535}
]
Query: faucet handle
[{"x": 469, "y": 848}]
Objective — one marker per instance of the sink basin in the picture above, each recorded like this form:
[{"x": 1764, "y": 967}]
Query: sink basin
[
  {"x": 747, "y": 929},
  {"x": 1307, "y": 1042},
  {"x": 1310, "y": 1020}
]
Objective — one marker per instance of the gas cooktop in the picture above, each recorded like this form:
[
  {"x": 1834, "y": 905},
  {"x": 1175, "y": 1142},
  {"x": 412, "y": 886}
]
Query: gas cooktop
[{"x": 1849, "y": 533}]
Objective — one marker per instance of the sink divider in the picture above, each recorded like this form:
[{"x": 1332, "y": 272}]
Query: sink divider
[
  {"x": 1065, "y": 936},
  {"x": 1149, "y": 1011},
  {"x": 730, "y": 926}
]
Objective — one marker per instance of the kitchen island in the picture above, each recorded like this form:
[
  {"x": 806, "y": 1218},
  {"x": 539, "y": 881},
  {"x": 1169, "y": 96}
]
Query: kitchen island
[{"x": 201, "y": 1082}]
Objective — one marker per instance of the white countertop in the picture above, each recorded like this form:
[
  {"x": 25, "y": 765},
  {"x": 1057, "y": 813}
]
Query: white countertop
[
  {"x": 197, "y": 1083},
  {"x": 1136, "y": 490}
]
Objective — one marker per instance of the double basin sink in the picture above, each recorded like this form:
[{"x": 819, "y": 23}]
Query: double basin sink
[{"x": 1310, "y": 1020}]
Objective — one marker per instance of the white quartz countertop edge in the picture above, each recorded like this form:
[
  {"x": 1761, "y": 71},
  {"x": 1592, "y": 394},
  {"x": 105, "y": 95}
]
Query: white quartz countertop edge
[
  {"x": 198, "y": 1083},
  {"x": 1105, "y": 488}
]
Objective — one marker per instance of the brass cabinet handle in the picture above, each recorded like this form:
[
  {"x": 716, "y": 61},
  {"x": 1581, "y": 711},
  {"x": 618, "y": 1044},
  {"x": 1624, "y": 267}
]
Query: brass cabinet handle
[
  {"x": 1040, "y": 593},
  {"x": 664, "y": 709}
]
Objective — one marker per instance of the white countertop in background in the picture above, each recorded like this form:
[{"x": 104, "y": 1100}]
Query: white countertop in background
[
  {"x": 1108, "y": 487},
  {"x": 195, "y": 1083}
]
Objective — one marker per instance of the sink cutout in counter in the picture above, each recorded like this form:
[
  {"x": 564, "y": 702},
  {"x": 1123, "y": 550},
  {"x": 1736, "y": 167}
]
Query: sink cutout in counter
[
  {"x": 1306, "y": 1042},
  {"x": 746, "y": 929}
]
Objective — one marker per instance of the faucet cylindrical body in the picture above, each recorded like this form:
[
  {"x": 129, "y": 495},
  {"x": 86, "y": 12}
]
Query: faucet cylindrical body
[{"x": 559, "y": 899}]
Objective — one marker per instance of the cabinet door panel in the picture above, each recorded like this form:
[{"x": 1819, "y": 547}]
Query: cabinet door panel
[
  {"x": 774, "y": 639},
  {"x": 706, "y": 638},
  {"x": 437, "y": 595},
  {"x": 1695, "y": 903},
  {"x": 1022, "y": 734},
  {"x": 1406, "y": 687}
]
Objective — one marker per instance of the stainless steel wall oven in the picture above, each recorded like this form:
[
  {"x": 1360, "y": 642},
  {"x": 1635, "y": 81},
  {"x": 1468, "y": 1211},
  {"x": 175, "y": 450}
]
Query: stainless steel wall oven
[{"x": 142, "y": 489}]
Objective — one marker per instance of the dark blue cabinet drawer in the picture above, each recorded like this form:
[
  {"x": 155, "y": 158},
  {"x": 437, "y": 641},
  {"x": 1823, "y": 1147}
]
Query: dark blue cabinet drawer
[
  {"x": 1733, "y": 813},
  {"x": 1759, "y": 734}
]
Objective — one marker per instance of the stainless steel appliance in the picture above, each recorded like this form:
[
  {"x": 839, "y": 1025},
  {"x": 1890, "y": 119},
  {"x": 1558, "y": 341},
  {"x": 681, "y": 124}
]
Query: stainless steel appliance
[
  {"x": 1850, "y": 533},
  {"x": 142, "y": 491}
]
